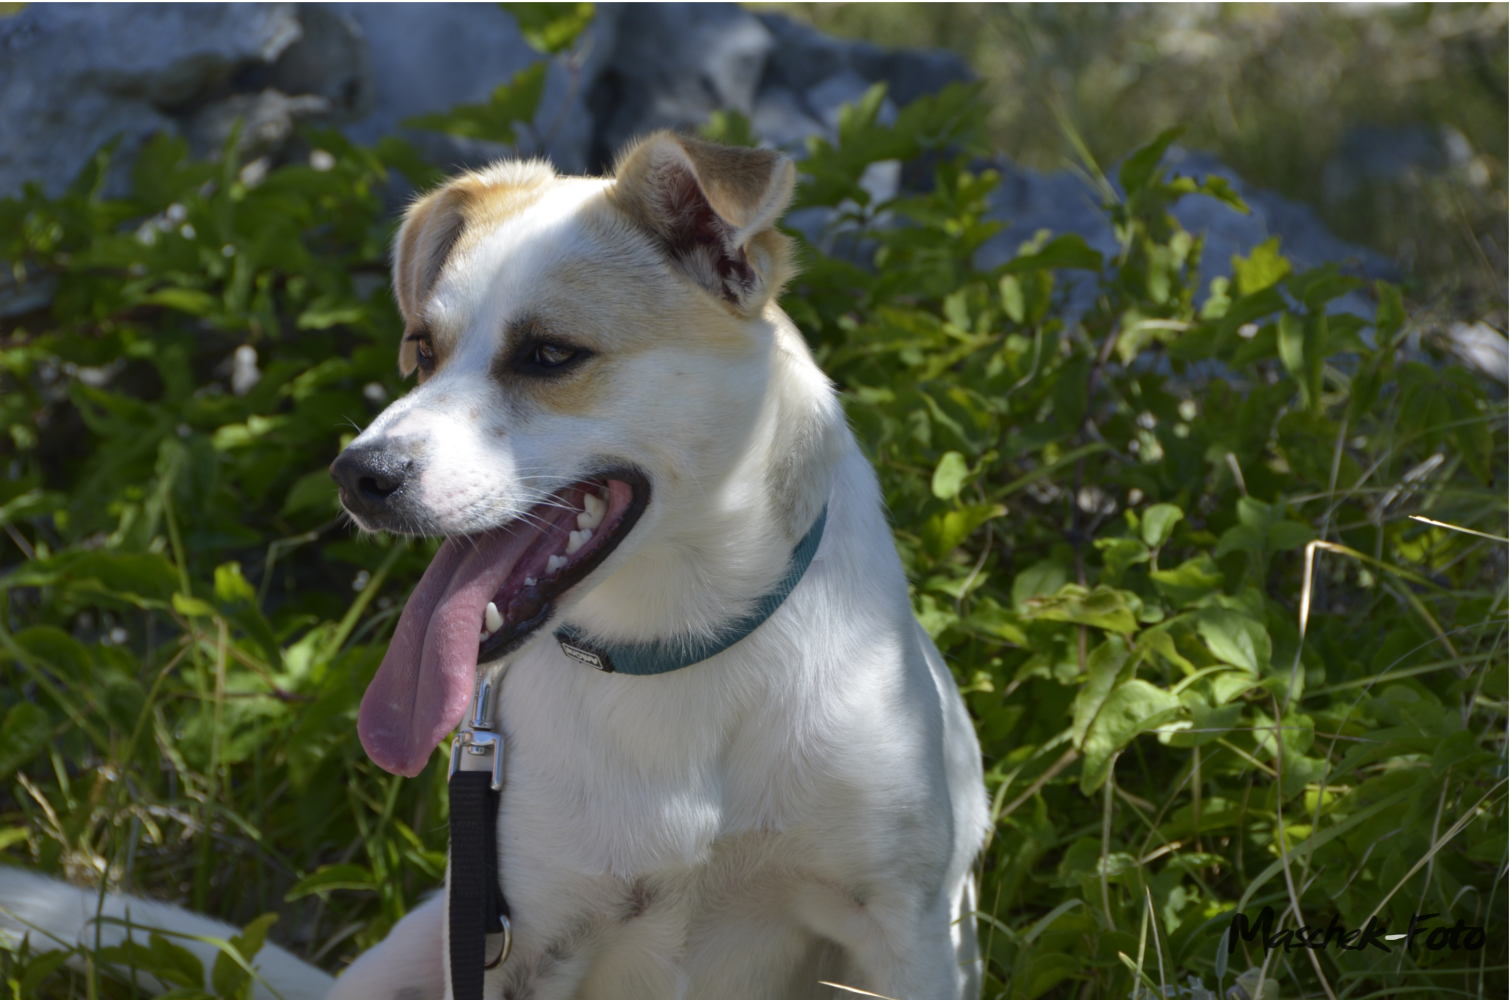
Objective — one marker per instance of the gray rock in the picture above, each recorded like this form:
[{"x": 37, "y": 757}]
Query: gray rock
[
  {"x": 828, "y": 97},
  {"x": 331, "y": 60},
  {"x": 782, "y": 120},
  {"x": 1304, "y": 238},
  {"x": 1027, "y": 201},
  {"x": 911, "y": 73},
  {"x": 1481, "y": 347},
  {"x": 430, "y": 57},
  {"x": 72, "y": 76},
  {"x": 673, "y": 65},
  {"x": 1391, "y": 156},
  {"x": 1063, "y": 202},
  {"x": 803, "y": 57},
  {"x": 263, "y": 122}
]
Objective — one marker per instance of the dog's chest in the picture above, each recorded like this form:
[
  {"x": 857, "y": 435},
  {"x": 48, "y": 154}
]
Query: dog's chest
[{"x": 648, "y": 780}]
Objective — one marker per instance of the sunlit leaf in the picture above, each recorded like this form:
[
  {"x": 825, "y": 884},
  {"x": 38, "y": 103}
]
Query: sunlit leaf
[{"x": 550, "y": 27}]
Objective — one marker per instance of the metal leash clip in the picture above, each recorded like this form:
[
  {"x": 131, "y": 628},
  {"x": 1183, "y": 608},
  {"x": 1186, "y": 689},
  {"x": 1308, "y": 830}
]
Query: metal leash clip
[
  {"x": 477, "y": 741},
  {"x": 480, "y": 739}
]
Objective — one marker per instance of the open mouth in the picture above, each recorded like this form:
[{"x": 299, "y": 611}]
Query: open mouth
[
  {"x": 482, "y": 597},
  {"x": 576, "y": 530}
]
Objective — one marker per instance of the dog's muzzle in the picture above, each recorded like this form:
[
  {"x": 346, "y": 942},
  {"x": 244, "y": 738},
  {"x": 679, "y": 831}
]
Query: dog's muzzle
[{"x": 377, "y": 485}]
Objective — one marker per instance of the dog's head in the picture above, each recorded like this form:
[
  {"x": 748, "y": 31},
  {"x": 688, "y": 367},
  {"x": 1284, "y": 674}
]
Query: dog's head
[{"x": 592, "y": 355}]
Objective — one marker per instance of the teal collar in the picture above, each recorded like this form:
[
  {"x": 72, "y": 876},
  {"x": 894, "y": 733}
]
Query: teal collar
[{"x": 665, "y": 655}]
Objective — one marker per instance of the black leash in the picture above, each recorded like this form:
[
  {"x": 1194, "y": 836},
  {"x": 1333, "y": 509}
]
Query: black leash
[{"x": 477, "y": 907}]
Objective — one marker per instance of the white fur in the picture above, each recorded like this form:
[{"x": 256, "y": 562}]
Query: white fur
[{"x": 804, "y": 806}]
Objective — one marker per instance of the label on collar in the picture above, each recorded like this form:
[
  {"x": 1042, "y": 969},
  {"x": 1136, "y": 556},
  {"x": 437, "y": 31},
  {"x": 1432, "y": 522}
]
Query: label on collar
[{"x": 596, "y": 660}]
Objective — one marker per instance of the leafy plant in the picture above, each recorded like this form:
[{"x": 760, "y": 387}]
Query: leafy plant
[
  {"x": 1165, "y": 544},
  {"x": 1166, "y": 548}
]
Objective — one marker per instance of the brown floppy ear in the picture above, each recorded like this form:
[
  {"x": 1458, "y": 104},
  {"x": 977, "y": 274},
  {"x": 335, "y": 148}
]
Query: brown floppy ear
[
  {"x": 713, "y": 210},
  {"x": 429, "y": 233}
]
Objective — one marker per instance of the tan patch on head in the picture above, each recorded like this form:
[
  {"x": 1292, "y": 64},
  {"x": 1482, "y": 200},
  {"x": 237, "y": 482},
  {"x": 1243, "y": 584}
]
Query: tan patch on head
[{"x": 444, "y": 222}]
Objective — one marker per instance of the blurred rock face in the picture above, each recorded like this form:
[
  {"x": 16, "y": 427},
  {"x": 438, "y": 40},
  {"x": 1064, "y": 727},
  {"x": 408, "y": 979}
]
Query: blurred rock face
[{"x": 74, "y": 76}]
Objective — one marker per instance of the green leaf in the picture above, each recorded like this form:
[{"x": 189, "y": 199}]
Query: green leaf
[
  {"x": 1389, "y": 317},
  {"x": 1103, "y": 607},
  {"x": 123, "y": 702},
  {"x": 312, "y": 491},
  {"x": 229, "y": 977},
  {"x": 1162, "y": 642},
  {"x": 189, "y": 300},
  {"x": 141, "y": 578},
  {"x": 230, "y": 586},
  {"x": 1263, "y": 268},
  {"x": 1027, "y": 298},
  {"x": 1240, "y": 538},
  {"x": 39, "y": 968},
  {"x": 943, "y": 532},
  {"x": 1286, "y": 535},
  {"x": 991, "y": 618},
  {"x": 550, "y": 27},
  {"x": 1159, "y": 522},
  {"x": 1365, "y": 387},
  {"x": 1189, "y": 581},
  {"x": 1117, "y": 554},
  {"x": 1255, "y": 513},
  {"x": 950, "y": 475},
  {"x": 193, "y": 607},
  {"x": 1040, "y": 579},
  {"x": 1225, "y": 687},
  {"x": 1320, "y": 285},
  {"x": 1104, "y": 668},
  {"x": 1207, "y": 724},
  {"x": 1301, "y": 349},
  {"x": 1138, "y": 170},
  {"x": 1235, "y": 638},
  {"x": 32, "y": 503},
  {"x": 249, "y": 942},
  {"x": 729, "y": 127},
  {"x": 60, "y": 651},
  {"x": 23, "y": 734},
  {"x": 174, "y": 963},
  {"x": 1216, "y": 186},
  {"x": 1070, "y": 251},
  {"x": 324, "y": 315},
  {"x": 331, "y": 877},
  {"x": 1133, "y": 707},
  {"x": 1012, "y": 300}
]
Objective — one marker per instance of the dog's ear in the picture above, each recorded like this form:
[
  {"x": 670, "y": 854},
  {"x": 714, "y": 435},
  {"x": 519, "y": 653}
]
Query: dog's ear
[
  {"x": 712, "y": 209},
  {"x": 429, "y": 233}
]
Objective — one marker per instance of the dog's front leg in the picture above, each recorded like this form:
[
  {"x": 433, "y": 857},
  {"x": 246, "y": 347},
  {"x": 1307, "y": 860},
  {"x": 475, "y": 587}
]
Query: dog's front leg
[
  {"x": 895, "y": 945},
  {"x": 406, "y": 966}
]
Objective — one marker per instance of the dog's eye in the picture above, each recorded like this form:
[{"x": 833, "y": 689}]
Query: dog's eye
[
  {"x": 424, "y": 353},
  {"x": 552, "y": 355},
  {"x": 539, "y": 355}
]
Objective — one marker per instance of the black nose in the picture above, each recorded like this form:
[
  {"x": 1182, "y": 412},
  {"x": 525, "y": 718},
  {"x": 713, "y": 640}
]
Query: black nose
[{"x": 371, "y": 479}]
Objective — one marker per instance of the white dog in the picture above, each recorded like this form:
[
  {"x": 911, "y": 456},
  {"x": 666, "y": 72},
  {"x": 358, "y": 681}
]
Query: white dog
[{"x": 733, "y": 764}]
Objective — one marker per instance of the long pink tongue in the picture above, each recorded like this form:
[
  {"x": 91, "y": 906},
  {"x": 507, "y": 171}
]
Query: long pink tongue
[{"x": 424, "y": 686}]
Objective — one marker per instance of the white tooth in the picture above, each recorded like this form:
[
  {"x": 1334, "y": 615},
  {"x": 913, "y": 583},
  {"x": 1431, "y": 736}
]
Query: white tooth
[
  {"x": 530, "y": 581},
  {"x": 483, "y": 635},
  {"x": 492, "y": 618},
  {"x": 577, "y": 539},
  {"x": 554, "y": 563},
  {"x": 592, "y": 516}
]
